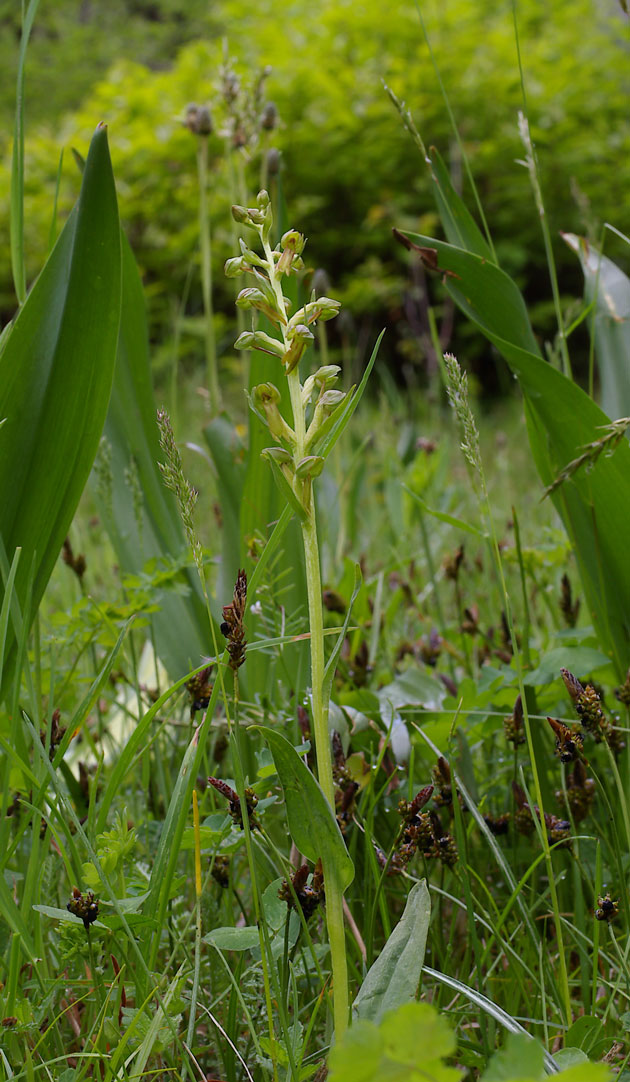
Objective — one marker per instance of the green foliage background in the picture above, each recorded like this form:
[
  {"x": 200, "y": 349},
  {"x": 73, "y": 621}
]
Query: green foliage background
[{"x": 351, "y": 172}]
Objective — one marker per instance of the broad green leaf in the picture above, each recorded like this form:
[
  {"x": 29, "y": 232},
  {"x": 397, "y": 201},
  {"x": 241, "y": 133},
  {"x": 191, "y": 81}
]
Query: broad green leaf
[
  {"x": 408, "y": 1046},
  {"x": 587, "y": 1033},
  {"x": 570, "y": 1057},
  {"x": 580, "y": 660},
  {"x": 520, "y": 1056},
  {"x": 481, "y": 289},
  {"x": 394, "y": 977},
  {"x": 459, "y": 225},
  {"x": 411, "y": 688},
  {"x": 56, "y": 373},
  {"x": 607, "y": 284},
  {"x": 561, "y": 420},
  {"x": 233, "y": 939},
  {"x": 146, "y": 524},
  {"x": 312, "y": 823},
  {"x": 64, "y": 916},
  {"x": 587, "y": 1072},
  {"x": 413, "y": 1023}
]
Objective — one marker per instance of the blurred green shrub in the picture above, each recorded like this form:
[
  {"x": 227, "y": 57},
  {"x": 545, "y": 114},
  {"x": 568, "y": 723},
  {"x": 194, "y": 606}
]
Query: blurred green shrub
[{"x": 350, "y": 171}]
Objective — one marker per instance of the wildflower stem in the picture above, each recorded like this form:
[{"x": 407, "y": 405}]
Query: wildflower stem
[
  {"x": 206, "y": 275},
  {"x": 334, "y": 892}
]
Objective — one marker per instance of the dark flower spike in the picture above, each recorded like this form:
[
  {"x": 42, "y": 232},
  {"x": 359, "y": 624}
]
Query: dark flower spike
[
  {"x": 569, "y": 741},
  {"x": 589, "y": 710},
  {"x": 498, "y": 824},
  {"x": 409, "y": 811},
  {"x": 441, "y": 775},
  {"x": 200, "y": 689},
  {"x": 607, "y": 908},
  {"x": 579, "y": 794},
  {"x": 308, "y": 897},
  {"x": 337, "y": 748},
  {"x": 445, "y": 847},
  {"x": 513, "y": 724},
  {"x": 84, "y": 906},
  {"x": 622, "y": 693},
  {"x": 568, "y": 607},
  {"x": 232, "y": 626},
  {"x": 232, "y": 796}
]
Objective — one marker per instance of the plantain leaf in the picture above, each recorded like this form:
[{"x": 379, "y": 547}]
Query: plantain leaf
[
  {"x": 394, "y": 977},
  {"x": 607, "y": 283},
  {"x": 312, "y": 823},
  {"x": 56, "y": 373}
]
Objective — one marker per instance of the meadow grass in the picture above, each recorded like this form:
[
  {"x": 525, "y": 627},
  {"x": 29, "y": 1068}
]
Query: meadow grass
[{"x": 181, "y": 898}]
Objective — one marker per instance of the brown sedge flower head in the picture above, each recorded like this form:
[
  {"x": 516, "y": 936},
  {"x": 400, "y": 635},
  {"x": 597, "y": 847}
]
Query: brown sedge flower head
[
  {"x": 607, "y": 908},
  {"x": 200, "y": 689},
  {"x": 309, "y": 896},
  {"x": 622, "y": 693},
  {"x": 498, "y": 824},
  {"x": 441, "y": 778},
  {"x": 444, "y": 845},
  {"x": 569, "y": 741},
  {"x": 57, "y": 734},
  {"x": 75, "y": 563},
  {"x": 221, "y": 870},
  {"x": 232, "y": 626},
  {"x": 513, "y": 724},
  {"x": 588, "y": 707},
  {"x": 579, "y": 794},
  {"x": 568, "y": 607},
  {"x": 235, "y": 809},
  {"x": 84, "y": 906}
]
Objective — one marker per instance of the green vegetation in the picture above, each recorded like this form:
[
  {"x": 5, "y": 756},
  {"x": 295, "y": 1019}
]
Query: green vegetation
[{"x": 315, "y": 756}]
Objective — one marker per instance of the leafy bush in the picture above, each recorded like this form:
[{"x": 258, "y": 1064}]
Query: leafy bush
[{"x": 351, "y": 172}]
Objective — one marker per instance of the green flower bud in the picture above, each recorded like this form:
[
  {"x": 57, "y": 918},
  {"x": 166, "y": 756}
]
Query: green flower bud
[
  {"x": 269, "y": 116},
  {"x": 273, "y": 161},
  {"x": 260, "y": 340},
  {"x": 240, "y": 214},
  {"x": 294, "y": 241},
  {"x": 311, "y": 466},
  {"x": 327, "y": 374},
  {"x": 292, "y": 245},
  {"x": 266, "y": 398},
  {"x": 299, "y": 336},
  {"x": 327, "y": 402},
  {"x": 252, "y": 258},
  {"x": 324, "y": 377},
  {"x": 280, "y": 455},
  {"x": 262, "y": 200},
  {"x": 331, "y": 399},
  {"x": 198, "y": 119},
  {"x": 255, "y": 298},
  {"x": 235, "y": 267},
  {"x": 245, "y": 341}
]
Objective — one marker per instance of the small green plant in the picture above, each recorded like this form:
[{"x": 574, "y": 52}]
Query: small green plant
[{"x": 315, "y": 405}]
